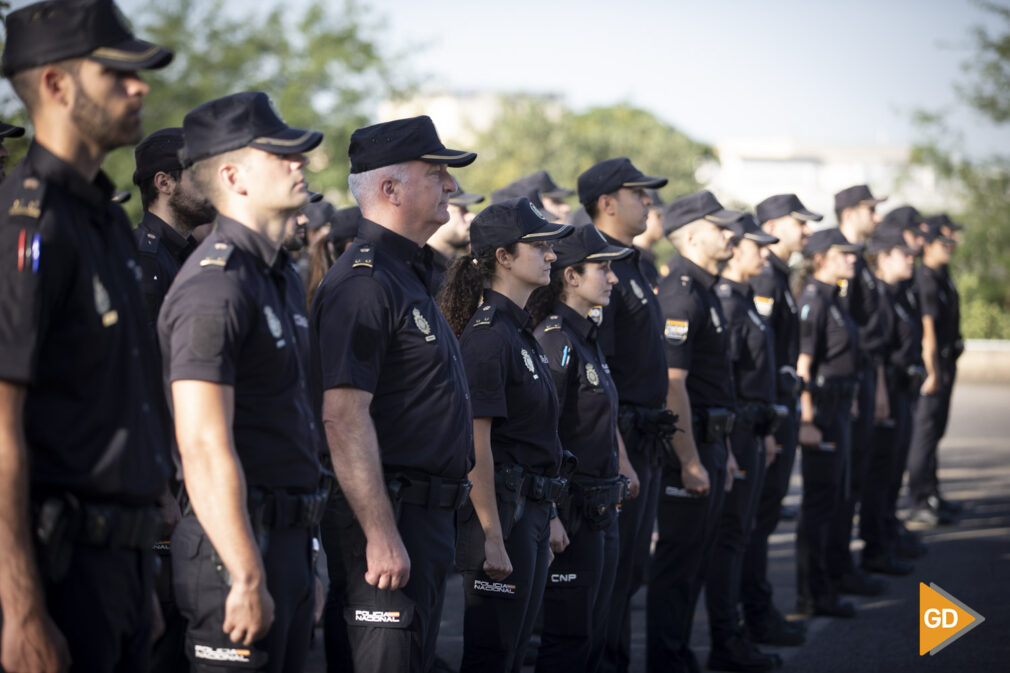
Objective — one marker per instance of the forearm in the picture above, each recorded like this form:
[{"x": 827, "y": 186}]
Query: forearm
[
  {"x": 678, "y": 401},
  {"x": 929, "y": 353},
  {"x": 354, "y": 449},
  {"x": 20, "y": 585},
  {"x": 482, "y": 493}
]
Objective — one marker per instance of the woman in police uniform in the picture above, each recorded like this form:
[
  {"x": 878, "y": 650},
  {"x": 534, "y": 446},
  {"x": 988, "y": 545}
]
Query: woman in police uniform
[
  {"x": 581, "y": 578},
  {"x": 827, "y": 361},
  {"x": 502, "y": 546}
]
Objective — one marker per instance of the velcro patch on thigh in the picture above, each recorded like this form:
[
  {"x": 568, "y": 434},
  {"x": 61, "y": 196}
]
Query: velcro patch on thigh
[
  {"x": 484, "y": 586},
  {"x": 386, "y": 619}
]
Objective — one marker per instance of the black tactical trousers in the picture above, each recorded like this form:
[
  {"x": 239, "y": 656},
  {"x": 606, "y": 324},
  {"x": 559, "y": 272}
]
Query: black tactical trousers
[
  {"x": 823, "y": 482},
  {"x": 636, "y": 523},
  {"x": 859, "y": 456},
  {"x": 687, "y": 527},
  {"x": 499, "y": 616},
  {"x": 103, "y": 607},
  {"x": 389, "y": 630},
  {"x": 755, "y": 589},
  {"x": 201, "y": 588},
  {"x": 577, "y": 601},
  {"x": 928, "y": 426},
  {"x": 722, "y": 582},
  {"x": 878, "y": 522}
]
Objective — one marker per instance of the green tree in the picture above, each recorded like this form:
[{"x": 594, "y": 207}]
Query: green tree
[
  {"x": 532, "y": 133},
  {"x": 981, "y": 186},
  {"x": 323, "y": 67}
]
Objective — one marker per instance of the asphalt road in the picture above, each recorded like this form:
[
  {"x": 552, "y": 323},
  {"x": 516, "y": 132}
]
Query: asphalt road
[{"x": 970, "y": 560}]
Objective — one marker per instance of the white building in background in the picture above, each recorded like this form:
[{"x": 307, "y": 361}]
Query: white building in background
[{"x": 750, "y": 170}]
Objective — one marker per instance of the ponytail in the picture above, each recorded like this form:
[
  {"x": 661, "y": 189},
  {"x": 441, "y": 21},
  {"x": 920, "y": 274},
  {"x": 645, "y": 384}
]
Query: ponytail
[{"x": 463, "y": 287}]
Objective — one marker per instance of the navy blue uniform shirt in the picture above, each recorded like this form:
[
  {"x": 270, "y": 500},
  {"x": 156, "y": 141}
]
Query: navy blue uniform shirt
[
  {"x": 774, "y": 302},
  {"x": 901, "y": 324},
  {"x": 587, "y": 395},
  {"x": 376, "y": 327},
  {"x": 939, "y": 300},
  {"x": 73, "y": 331},
  {"x": 751, "y": 343},
  {"x": 697, "y": 334},
  {"x": 161, "y": 253},
  {"x": 827, "y": 332},
  {"x": 511, "y": 383},
  {"x": 232, "y": 318},
  {"x": 631, "y": 334},
  {"x": 861, "y": 300}
]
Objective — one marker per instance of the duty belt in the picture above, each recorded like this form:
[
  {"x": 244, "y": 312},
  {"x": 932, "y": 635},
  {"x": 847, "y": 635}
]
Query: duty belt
[
  {"x": 432, "y": 493},
  {"x": 277, "y": 508},
  {"x": 539, "y": 488},
  {"x": 713, "y": 424},
  {"x": 833, "y": 385}
]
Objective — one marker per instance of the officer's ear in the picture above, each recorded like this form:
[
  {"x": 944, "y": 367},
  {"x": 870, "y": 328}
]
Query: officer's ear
[
  {"x": 164, "y": 183},
  {"x": 56, "y": 86},
  {"x": 230, "y": 175},
  {"x": 504, "y": 258},
  {"x": 606, "y": 203},
  {"x": 571, "y": 276}
]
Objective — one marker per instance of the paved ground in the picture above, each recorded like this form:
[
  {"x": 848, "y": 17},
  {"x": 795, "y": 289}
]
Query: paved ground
[{"x": 971, "y": 561}]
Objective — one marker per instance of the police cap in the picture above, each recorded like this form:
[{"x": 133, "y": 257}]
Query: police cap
[
  {"x": 904, "y": 217},
  {"x": 884, "y": 239},
  {"x": 158, "y": 152},
  {"x": 781, "y": 205},
  {"x": 10, "y": 131},
  {"x": 515, "y": 190},
  {"x": 746, "y": 226},
  {"x": 824, "y": 239},
  {"x": 855, "y": 196},
  {"x": 544, "y": 183},
  {"x": 502, "y": 224},
  {"x": 319, "y": 213},
  {"x": 47, "y": 32},
  {"x": 943, "y": 220},
  {"x": 345, "y": 223},
  {"x": 402, "y": 140},
  {"x": 656, "y": 199},
  {"x": 586, "y": 244},
  {"x": 697, "y": 206},
  {"x": 246, "y": 119},
  {"x": 463, "y": 198},
  {"x": 608, "y": 176}
]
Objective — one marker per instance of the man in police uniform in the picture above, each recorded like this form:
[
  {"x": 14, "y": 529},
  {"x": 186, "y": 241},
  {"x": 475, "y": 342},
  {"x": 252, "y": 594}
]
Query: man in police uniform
[
  {"x": 785, "y": 217},
  {"x": 613, "y": 194},
  {"x": 699, "y": 470},
  {"x": 855, "y": 208},
  {"x": 234, "y": 340},
  {"x": 7, "y": 131},
  {"x": 76, "y": 354},
  {"x": 389, "y": 376},
  {"x": 173, "y": 207}
]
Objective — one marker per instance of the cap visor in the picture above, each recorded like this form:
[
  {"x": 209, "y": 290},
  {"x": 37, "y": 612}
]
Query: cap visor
[
  {"x": 549, "y": 232},
  {"x": 558, "y": 194},
  {"x": 647, "y": 182},
  {"x": 10, "y": 131},
  {"x": 133, "y": 55},
  {"x": 848, "y": 247},
  {"x": 288, "y": 141},
  {"x": 609, "y": 252},
  {"x": 874, "y": 202},
  {"x": 315, "y": 197},
  {"x": 804, "y": 215},
  {"x": 761, "y": 238},
  {"x": 465, "y": 199},
  {"x": 454, "y": 158},
  {"x": 724, "y": 217}
]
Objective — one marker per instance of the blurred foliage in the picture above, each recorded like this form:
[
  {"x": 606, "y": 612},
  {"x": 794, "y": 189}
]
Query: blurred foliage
[
  {"x": 981, "y": 264},
  {"x": 536, "y": 132},
  {"x": 323, "y": 66}
]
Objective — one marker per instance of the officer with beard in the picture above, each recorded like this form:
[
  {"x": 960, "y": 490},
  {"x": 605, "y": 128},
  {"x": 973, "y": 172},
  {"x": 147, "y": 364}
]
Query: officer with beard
[{"x": 173, "y": 208}]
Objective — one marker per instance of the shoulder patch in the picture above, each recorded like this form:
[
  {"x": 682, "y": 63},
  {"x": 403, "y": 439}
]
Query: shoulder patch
[
  {"x": 218, "y": 256},
  {"x": 28, "y": 199},
  {"x": 596, "y": 315},
  {"x": 148, "y": 243},
  {"x": 23, "y": 214},
  {"x": 553, "y": 322},
  {"x": 364, "y": 256},
  {"x": 484, "y": 316},
  {"x": 676, "y": 331}
]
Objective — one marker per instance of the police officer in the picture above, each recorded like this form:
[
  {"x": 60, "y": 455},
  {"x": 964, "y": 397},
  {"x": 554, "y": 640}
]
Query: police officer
[
  {"x": 785, "y": 217},
  {"x": 452, "y": 239},
  {"x": 234, "y": 340},
  {"x": 173, "y": 207},
  {"x": 941, "y": 346},
  {"x": 552, "y": 196},
  {"x": 394, "y": 399},
  {"x": 857, "y": 219},
  {"x": 901, "y": 326},
  {"x": 507, "y": 537},
  {"x": 581, "y": 579},
  {"x": 827, "y": 364},
  {"x": 613, "y": 195},
  {"x": 752, "y": 352},
  {"x": 7, "y": 131},
  {"x": 77, "y": 515},
  {"x": 652, "y": 235},
  {"x": 698, "y": 471}
]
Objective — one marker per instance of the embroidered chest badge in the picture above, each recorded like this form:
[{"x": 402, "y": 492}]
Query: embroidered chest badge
[
  {"x": 274, "y": 325},
  {"x": 528, "y": 361},
  {"x": 422, "y": 324},
  {"x": 591, "y": 375},
  {"x": 103, "y": 304}
]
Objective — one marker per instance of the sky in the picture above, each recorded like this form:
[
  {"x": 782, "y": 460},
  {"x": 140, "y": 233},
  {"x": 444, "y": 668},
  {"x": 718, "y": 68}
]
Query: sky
[{"x": 848, "y": 72}]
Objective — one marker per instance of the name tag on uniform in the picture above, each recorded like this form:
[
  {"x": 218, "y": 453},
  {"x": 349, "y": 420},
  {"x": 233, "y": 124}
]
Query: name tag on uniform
[{"x": 676, "y": 331}]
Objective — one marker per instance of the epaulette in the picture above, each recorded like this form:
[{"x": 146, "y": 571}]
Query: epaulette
[
  {"x": 148, "y": 244},
  {"x": 23, "y": 214},
  {"x": 484, "y": 316},
  {"x": 724, "y": 290},
  {"x": 217, "y": 258},
  {"x": 364, "y": 256},
  {"x": 552, "y": 323}
]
